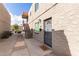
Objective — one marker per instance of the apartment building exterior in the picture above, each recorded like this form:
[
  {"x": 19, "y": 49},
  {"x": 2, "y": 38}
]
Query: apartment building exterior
[
  {"x": 4, "y": 19},
  {"x": 57, "y": 25}
]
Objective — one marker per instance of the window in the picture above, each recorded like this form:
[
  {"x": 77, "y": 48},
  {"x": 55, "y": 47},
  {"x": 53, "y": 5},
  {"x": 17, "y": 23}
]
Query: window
[{"x": 36, "y": 6}]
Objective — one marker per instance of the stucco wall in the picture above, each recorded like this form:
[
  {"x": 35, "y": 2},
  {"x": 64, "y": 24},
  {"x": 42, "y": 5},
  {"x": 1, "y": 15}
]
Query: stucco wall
[
  {"x": 4, "y": 19},
  {"x": 65, "y": 20}
]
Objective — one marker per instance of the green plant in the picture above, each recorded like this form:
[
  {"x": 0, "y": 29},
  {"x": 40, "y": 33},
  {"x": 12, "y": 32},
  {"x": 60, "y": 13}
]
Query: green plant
[
  {"x": 15, "y": 27},
  {"x": 5, "y": 34}
]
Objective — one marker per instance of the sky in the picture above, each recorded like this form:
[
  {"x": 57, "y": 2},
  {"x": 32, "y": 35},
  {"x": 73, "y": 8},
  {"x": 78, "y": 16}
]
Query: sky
[{"x": 16, "y": 10}]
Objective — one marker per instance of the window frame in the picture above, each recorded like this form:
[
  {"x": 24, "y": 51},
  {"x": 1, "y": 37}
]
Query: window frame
[{"x": 36, "y": 6}]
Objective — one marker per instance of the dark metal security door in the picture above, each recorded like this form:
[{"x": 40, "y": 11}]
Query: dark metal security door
[{"x": 48, "y": 32}]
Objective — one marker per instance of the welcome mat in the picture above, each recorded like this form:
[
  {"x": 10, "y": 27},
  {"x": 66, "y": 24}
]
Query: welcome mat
[{"x": 44, "y": 47}]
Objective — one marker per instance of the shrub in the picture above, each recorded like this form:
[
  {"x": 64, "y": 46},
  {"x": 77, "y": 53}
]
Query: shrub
[
  {"x": 18, "y": 31},
  {"x": 6, "y": 34}
]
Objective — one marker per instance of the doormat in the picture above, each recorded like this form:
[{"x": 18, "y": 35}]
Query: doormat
[{"x": 44, "y": 47}]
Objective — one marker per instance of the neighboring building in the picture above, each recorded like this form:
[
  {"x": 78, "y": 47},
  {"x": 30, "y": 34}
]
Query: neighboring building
[
  {"x": 4, "y": 19},
  {"x": 26, "y": 26},
  {"x": 57, "y": 25}
]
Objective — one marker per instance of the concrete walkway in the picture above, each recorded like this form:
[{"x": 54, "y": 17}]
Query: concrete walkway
[
  {"x": 6, "y": 45},
  {"x": 17, "y": 45}
]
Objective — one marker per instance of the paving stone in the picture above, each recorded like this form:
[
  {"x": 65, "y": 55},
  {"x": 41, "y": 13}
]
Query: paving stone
[
  {"x": 34, "y": 48},
  {"x": 6, "y": 46},
  {"x": 16, "y": 46},
  {"x": 20, "y": 52},
  {"x": 19, "y": 43}
]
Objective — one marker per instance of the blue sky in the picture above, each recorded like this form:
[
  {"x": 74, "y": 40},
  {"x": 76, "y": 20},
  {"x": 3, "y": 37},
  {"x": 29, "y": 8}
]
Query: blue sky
[{"x": 16, "y": 10}]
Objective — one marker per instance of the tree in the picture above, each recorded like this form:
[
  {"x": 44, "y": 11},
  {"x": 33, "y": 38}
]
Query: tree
[{"x": 15, "y": 27}]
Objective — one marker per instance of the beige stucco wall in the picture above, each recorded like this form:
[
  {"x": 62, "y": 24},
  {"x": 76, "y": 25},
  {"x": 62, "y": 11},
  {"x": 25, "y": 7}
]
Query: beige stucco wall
[
  {"x": 4, "y": 19},
  {"x": 42, "y": 7},
  {"x": 65, "y": 20}
]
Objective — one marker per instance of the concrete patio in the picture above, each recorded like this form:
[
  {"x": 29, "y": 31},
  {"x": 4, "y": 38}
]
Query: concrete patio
[{"x": 17, "y": 45}]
